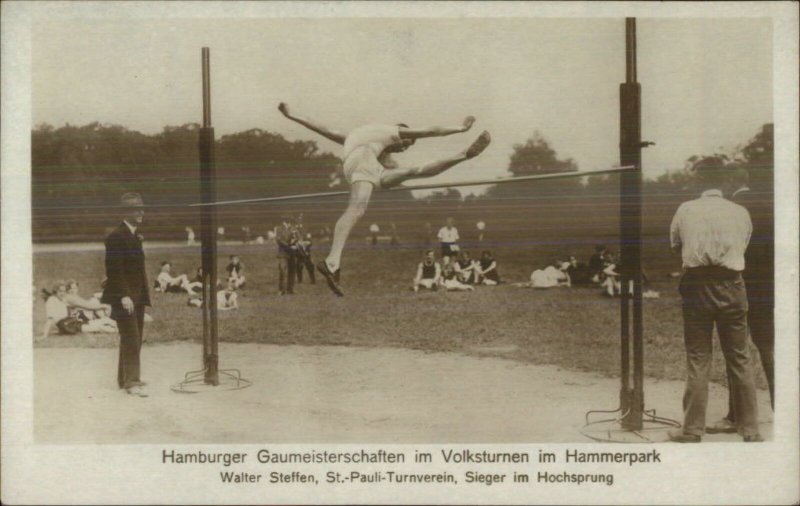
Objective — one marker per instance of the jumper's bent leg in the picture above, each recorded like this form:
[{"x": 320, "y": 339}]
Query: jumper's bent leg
[
  {"x": 396, "y": 176},
  {"x": 360, "y": 193}
]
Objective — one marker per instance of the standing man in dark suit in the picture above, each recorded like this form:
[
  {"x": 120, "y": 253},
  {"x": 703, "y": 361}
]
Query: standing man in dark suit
[
  {"x": 126, "y": 290},
  {"x": 759, "y": 278}
]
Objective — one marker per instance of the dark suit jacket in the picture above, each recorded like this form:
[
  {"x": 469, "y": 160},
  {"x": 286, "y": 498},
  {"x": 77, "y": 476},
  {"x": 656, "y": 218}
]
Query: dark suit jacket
[
  {"x": 759, "y": 257},
  {"x": 125, "y": 269}
]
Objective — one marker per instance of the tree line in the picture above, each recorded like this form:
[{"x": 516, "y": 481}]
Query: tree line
[{"x": 78, "y": 173}]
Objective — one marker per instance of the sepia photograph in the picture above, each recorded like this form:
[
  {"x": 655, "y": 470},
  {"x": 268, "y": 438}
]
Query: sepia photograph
[{"x": 308, "y": 234}]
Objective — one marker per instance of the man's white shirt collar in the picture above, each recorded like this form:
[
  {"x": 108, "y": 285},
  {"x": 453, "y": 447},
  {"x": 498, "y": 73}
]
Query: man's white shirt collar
[
  {"x": 740, "y": 190},
  {"x": 132, "y": 228},
  {"x": 712, "y": 193}
]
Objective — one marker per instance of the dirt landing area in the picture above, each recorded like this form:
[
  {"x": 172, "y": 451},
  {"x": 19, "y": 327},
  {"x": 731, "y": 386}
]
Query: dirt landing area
[{"x": 333, "y": 395}]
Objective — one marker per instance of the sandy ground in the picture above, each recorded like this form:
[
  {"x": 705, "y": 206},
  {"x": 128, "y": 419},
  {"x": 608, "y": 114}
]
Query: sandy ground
[{"x": 329, "y": 394}]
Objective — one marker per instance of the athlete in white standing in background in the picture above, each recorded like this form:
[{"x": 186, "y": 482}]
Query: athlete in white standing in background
[{"x": 368, "y": 165}]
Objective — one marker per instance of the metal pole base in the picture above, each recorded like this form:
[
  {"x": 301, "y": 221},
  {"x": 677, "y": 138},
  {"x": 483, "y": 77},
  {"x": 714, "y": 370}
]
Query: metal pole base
[
  {"x": 195, "y": 381},
  {"x": 614, "y": 430}
]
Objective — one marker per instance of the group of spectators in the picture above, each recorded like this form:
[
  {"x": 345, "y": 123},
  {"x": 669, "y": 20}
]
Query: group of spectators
[
  {"x": 456, "y": 272},
  {"x": 294, "y": 254},
  {"x": 227, "y": 298},
  {"x": 603, "y": 269},
  {"x": 69, "y": 313}
]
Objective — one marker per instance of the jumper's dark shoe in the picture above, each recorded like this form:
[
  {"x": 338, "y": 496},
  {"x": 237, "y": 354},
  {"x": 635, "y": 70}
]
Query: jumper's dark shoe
[
  {"x": 722, "y": 426},
  {"x": 755, "y": 438},
  {"x": 678, "y": 436},
  {"x": 479, "y": 145},
  {"x": 330, "y": 277}
]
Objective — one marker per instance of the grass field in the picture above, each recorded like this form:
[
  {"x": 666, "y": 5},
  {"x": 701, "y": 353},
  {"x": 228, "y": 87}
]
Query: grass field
[{"x": 574, "y": 328}]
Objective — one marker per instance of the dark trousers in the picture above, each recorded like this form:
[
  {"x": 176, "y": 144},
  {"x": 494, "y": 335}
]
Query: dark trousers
[
  {"x": 716, "y": 296},
  {"x": 286, "y": 274},
  {"x": 131, "y": 327},
  {"x": 305, "y": 261},
  {"x": 761, "y": 320}
]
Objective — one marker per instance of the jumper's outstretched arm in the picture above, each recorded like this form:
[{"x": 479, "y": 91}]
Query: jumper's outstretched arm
[
  {"x": 436, "y": 131},
  {"x": 333, "y": 135}
]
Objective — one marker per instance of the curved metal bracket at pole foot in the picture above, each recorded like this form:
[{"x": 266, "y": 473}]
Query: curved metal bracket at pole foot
[
  {"x": 195, "y": 381},
  {"x": 613, "y": 430}
]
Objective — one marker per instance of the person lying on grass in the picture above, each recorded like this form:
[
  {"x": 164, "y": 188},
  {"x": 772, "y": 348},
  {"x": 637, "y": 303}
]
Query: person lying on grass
[
  {"x": 59, "y": 315},
  {"x": 91, "y": 312},
  {"x": 552, "y": 276},
  {"x": 167, "y": 283}
]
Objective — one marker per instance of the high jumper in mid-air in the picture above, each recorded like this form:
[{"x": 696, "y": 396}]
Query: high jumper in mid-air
[{"x": 368, "y": 165}]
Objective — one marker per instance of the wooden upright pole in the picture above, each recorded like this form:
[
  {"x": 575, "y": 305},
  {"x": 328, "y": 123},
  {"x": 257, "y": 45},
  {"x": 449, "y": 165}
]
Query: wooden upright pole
[{"x": 208, "y": 225}]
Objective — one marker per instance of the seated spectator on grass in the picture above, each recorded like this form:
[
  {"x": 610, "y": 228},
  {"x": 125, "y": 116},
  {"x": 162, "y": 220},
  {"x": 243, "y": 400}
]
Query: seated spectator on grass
[
  {"x": 578, "y": 272},
  {"x": 486, "y": 272},
  {"x": 227, "y": 298},
  {"x": 198, "y": 276},
  {"x": 450, "y": 280},
  {"x": 551, "y": 276},
  {"x": 429, "y": 273},
  {"x": 465, "y": 268},
  {"x": 57, "y": 312},
  {"x": 597, "y": 263},
  {"x": 90, "y": 312},
  {"x": 235, "y": 270},
  {"x": 166, "y": 283}
]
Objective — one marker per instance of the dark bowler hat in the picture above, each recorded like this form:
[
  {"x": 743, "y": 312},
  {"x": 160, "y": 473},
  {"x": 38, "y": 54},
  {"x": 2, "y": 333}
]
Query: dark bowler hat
[{"x": 131, "y": 199}]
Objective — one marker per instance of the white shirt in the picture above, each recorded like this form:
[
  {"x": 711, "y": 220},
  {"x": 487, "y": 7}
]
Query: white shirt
[
  {"x": 164, "y": 279},
  {"x": 448, "y": 234},
  {"x": 226, "y": 299},
  {"x": 373, "y": 138},
  {"x": 711, "y": 231}
]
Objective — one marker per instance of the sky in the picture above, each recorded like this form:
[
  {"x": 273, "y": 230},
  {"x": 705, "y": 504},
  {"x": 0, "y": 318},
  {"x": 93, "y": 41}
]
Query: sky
[{"x": 706, "y": 83}]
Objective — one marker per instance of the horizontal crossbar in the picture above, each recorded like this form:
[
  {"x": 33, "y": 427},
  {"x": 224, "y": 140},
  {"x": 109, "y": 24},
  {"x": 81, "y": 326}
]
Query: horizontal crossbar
[{"x": 432, "y": 186}]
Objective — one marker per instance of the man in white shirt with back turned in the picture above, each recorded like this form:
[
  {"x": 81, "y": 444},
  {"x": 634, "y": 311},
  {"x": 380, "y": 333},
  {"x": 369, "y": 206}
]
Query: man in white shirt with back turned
[
  {"x": 368, "y": 165},
  {"x": 712, "y": 234}
]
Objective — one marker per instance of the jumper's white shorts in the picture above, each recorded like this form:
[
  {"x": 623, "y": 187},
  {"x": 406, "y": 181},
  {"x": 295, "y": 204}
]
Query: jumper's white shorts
[{"x": 362, "y": 165}]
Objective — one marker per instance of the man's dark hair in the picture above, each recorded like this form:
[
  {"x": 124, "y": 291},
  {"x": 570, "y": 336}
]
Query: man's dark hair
[
  {"x": 711, "y": 172},
  {"x": 165, "y": 262}
]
